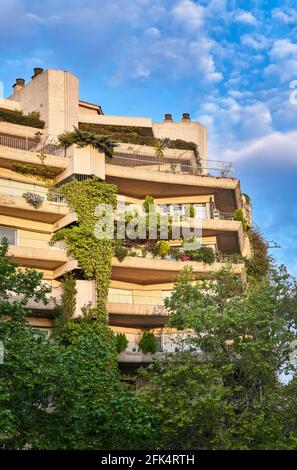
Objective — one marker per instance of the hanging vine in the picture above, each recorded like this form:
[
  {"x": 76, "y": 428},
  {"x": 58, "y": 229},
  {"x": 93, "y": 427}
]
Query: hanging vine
[{"x": 93, "y": 255}]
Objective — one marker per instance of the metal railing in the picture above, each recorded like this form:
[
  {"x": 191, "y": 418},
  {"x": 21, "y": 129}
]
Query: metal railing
[
  {"x": 172, "y": 165},
  {"x": 32, "y": 146},
  {"x": 11, "y": 190}
]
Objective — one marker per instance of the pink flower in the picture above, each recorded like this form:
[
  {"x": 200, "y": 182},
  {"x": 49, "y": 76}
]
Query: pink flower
[{"x": 185, "y": 258}]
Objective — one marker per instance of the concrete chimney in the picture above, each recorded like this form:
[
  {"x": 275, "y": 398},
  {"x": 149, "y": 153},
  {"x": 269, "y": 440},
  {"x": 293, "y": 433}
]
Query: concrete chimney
[
  {"x": 168, "y": 118},
  {"x": 37, "y": 71},
  {"x": 19, "y": 83},
  {"x": 186, "y": 117}
]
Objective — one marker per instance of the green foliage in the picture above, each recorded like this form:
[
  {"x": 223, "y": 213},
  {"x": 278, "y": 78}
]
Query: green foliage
[
  {"x": 176, "y": 253},
  {"x": 135, "y": 135},
  {"x": 160, "y": 146},
  {"x": 204, "y": 254},
  {"x": 258, "y": 265},
  {"x": 65, "y": 312},
  {"x": 148, "y": 201},
  {"x": 83, "y": 138},
  {"x": 163, "y": 248},
  {"x": 120, "y": 250},
  {"x": 18, "y": 117},
  {"x": 219, "y": 391},
  {"x": 184, "y": 145},
  {"x": 246, "y": 339},
  {"x": 192, "y": 210},
  {"x": 247, "y": 199},
  {"x": 17, "y": 287},
  {"x": 148, "y": 343},
  {"x": 56, "y": 396},
  {"x": 41, "y": 173},
  {"x": 121, "y": 342},
  {"x": 239, "y": 215},
  {"x": 187, "y": 401},
  {"x": 92, "y": 254}
]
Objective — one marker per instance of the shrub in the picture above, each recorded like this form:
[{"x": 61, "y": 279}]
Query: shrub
[
  {"x": 35, "y": 200},
  {"x": 258, "y": 265},
  {"x": 18, "y": 117},
  {"x": 185, "y": 257},
  {"x": 121, "y": 342},
  {"x": 120, "y": 251},
  {"x": 148, "y": 343},
  {"x": 134, "y": 135},
  {"x": 163, "y": 248},
  {"x": 192, "y": 211},
  {"x": 239, "y": 215},
  {"x": 204, "y": 254},
  {"x": 149, "y": 201},
  {"x": 81, "y": 138},
  {"x": 175, "y": 253}
]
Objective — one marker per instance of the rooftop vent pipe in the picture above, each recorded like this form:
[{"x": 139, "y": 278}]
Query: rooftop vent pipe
[
  {"x": 37, "y": 71},
  {"x": 19, "y": 83},
  {"x": 186, "y": 117},
  {"x": 168, "y": 118}
]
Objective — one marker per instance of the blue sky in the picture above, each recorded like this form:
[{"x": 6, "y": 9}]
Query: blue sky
[{"x": 228, "y": 63}]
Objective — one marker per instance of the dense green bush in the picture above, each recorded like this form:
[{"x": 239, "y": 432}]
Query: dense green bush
[
  {"x": 121, "y": 342},
  {"x": 148, "y": 343},
  {"x": 135, "y": 135},
  {"x": 120, "y": 250},
  {"x": 82, "y": 138},
  {"x": 18, "y": 117},
  {"x": 239, "y": 216},
  {"x": 163, "y": 248},
  {"x": 204, "y": 254}
]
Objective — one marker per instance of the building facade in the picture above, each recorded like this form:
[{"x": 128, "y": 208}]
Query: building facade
[{"x": 139, "y": 284}]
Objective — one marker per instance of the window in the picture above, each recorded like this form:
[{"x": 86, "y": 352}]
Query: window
[{"x": 10, "y": 234}]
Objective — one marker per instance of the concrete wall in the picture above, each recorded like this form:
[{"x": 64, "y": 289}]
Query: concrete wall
[
  {"x": 83, "y": 161},
  {"x": 189, "y": 131},
  {"x": 86, "y": 295},
  {"x": 9, "y": 104},
  {"x": 54, "y": 93}
]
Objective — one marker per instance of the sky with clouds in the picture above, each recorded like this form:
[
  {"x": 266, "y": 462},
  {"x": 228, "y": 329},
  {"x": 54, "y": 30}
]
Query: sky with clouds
[{"x": 229, "y": 63}]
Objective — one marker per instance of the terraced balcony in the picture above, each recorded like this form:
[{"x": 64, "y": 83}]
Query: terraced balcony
[
  {"x": 146, "y": 271},
  {"x": 126, "y": 314},
  {"x": 15, "y": 150},
  {"x": 137, "y": 174},
  {"x": 12, "y": 203},
  {"x": 36, "y": 252}
]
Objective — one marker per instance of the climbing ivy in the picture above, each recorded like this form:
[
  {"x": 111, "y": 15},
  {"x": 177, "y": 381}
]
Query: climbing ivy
[
  {"x": 92, "y": 254},
  {"x": 259, "y": 264},
  {"x": 65, "y": 311},
  {"x": 239, "y": 216}
]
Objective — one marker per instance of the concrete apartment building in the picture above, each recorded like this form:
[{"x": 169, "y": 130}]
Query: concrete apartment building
[{"x": 138, "y": 285}]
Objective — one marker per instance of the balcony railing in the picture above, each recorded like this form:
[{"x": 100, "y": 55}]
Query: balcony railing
[
  {"x": 12, "y": 190},
  {"x": 31, "y": 146},
  {"x": 172, "y": 165}
]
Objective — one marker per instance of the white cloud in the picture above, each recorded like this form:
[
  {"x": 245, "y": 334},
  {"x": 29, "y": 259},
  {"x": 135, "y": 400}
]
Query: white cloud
[
  {"x": 286, "y": 16},
  {"x": 246, "y": 17},
  {"x": 282, "y": 49},
  {"x": 256, "y": 42},
  {"x": 276, "y": 149},
  {"x": 189, "y": 14}
]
